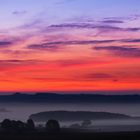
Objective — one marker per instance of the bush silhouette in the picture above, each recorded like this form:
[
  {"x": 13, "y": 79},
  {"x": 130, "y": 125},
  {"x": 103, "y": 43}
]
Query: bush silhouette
[
  {"x": 18, "y": 125},
  {"x": 12, "y": 126},
  {"x": 30, "y": 124},
  {"x": 52, "y": 126},
  {"x": 6, "y": 124}
]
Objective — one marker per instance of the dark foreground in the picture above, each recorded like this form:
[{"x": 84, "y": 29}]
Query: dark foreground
[{"x": 71, "y": 135}]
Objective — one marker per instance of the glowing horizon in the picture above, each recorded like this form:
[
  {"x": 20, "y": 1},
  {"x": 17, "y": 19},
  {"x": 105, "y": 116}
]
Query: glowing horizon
[{"x": 69, "y": 45}]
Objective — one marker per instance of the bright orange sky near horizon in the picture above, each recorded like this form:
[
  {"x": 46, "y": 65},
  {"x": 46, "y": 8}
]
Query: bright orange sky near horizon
[{"x": 65, "y": 51}]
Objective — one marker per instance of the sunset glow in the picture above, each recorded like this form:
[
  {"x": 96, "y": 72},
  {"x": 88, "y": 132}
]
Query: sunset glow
[{"x": 69, "y": 45}]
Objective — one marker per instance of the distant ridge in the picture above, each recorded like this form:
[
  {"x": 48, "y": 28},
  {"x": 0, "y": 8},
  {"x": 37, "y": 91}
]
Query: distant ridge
[
  {"x": 77, "y": 116},
  {"x": 69, "y": 98}
]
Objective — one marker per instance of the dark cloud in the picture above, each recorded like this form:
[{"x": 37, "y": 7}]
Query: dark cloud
[
  {"x": 87, "y": 77},
  {"x": 103, "y": 28},
  {"x": 132, "y": 29},
  {"x": 122, "y": 51},
  {"x": 46, "y": 46},
  {"x": 16, "y": 53},
  {"x": 56, "y": 45},
  {"x": 115, "y": 48},
  {"x": 5, "y": 43},
  {"x": 131, "y": 40},
  {"x": 73, "y": 25},
  {"x": 107, "y": 28},
  {"x": 112, "y": 21},
  {"x": 18, "y": 61},
  {"x": 124, "y": 18},
  {"x": 100, "y": 76},
  {"x": 76, "y": 42},
  {"x": 19, "y": 12}
]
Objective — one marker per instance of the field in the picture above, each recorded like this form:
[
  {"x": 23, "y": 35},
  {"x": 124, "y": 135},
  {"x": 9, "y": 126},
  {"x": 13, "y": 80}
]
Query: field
[{"x": 67, "y": 134}]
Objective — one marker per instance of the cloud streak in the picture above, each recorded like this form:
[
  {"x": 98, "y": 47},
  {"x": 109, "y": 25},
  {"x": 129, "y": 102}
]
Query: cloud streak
[
  {"x": 103, "y": 27},
  {"x": 100, "y": 76},
  {"x": 19, "y": 12},
  {"x": 5, "y": 43},
  {"x": 44, "y": 46},
  {"x": 112, "y": 21},
  {"x": 121, "y": 51},
  {"x": 58, "y": 44}
]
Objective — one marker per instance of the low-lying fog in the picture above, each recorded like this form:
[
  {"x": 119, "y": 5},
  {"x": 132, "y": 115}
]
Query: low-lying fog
[{"x": 18, "y": 111}]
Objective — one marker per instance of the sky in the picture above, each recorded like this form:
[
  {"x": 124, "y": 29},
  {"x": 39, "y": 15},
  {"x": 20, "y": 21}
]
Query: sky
[{"x": 69, "y": 45}]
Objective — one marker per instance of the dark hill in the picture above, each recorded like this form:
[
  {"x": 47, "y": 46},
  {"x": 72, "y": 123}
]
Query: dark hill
[
  {"x": 76, "y": 116},
  {"x": 70, "y": 98}
]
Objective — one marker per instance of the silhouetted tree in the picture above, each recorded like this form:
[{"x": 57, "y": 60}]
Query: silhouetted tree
[
  {"x": 52, "y": 126},
  {"x": 6, "y": 124},
  {"x": 21, "y": 125},
  {"x": 18, "y": 125},
  {"x": 30, "y": 124},
  {"x": 14, "y": 125}
]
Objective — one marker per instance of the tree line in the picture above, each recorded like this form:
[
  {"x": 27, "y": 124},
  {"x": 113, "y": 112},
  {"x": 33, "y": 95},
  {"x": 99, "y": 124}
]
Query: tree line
[{"x": 8, "y": 125}]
